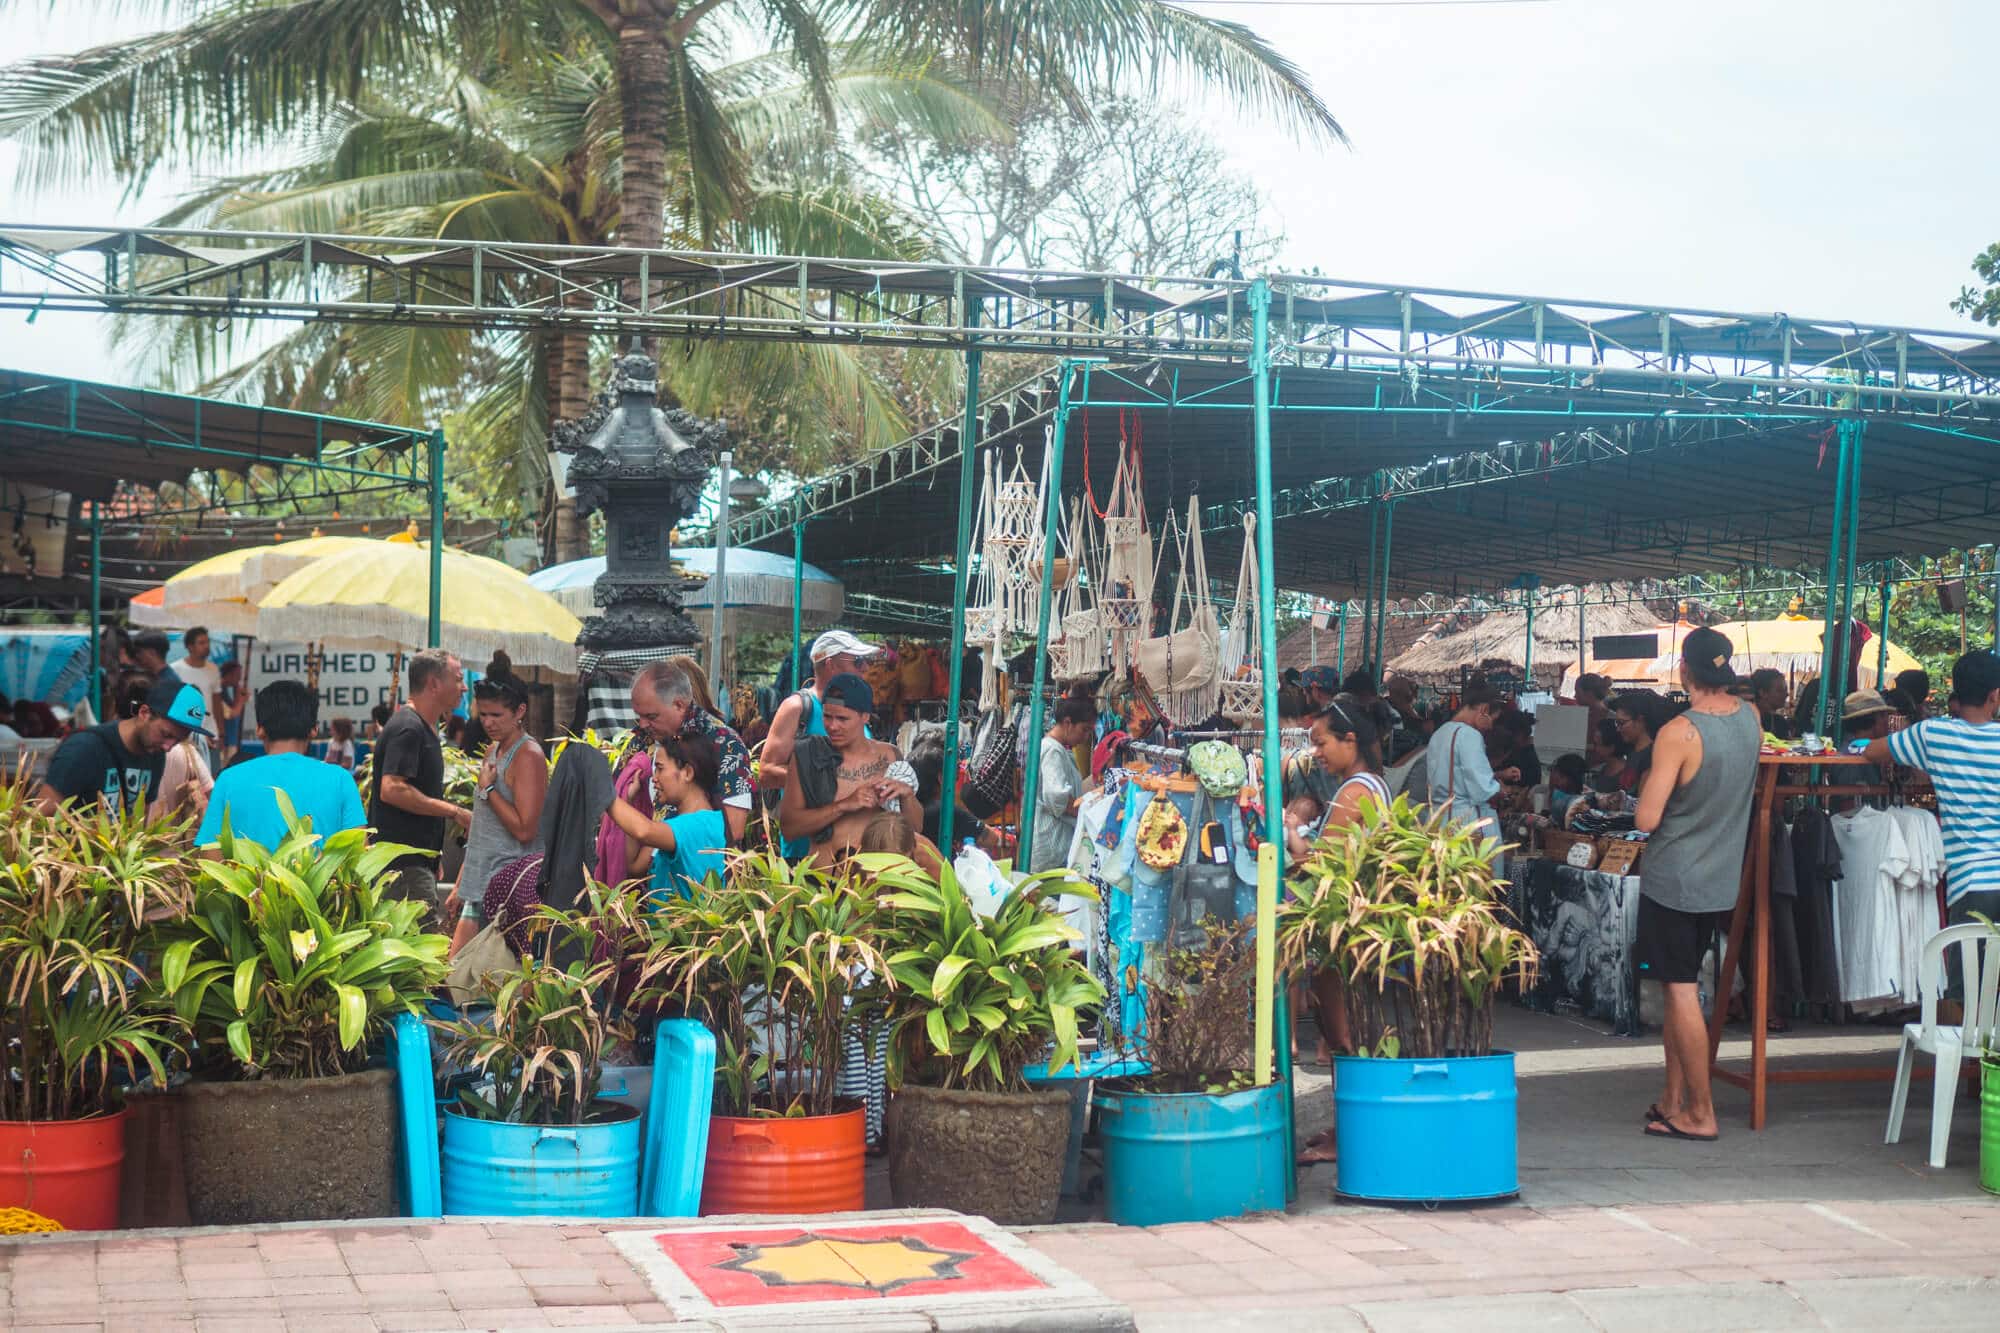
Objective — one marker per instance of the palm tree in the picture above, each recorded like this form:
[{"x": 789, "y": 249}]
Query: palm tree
[
  {"x": 242, "y": 78},
  {"x": 536, "y": 160}
]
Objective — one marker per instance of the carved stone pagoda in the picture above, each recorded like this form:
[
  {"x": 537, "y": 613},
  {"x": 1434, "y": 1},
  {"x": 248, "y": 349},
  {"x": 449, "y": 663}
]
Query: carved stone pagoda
[{"x": 645, "y": 467}]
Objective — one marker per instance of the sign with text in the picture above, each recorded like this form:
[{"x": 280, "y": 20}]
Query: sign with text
[{"x": 351, "y": 680}]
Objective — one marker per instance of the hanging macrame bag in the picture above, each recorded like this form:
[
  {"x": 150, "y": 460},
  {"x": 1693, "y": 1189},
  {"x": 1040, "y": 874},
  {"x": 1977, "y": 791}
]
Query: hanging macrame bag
[
  {"x": 1241, "y": 696},
  {"x": 1125, "y": 600},
  {"x": 1183, "y": 666},
  {"x": 1079, "y": 653}
]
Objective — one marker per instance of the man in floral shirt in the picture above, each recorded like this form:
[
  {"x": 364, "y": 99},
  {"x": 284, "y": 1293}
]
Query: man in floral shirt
[{"x": 663, "y": 699}]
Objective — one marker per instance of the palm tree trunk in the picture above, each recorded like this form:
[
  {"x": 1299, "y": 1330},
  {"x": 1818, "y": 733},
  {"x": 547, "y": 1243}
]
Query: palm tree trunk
[
  {"x": 566, "y": 366},
  {"x": 645, "y": 83}
]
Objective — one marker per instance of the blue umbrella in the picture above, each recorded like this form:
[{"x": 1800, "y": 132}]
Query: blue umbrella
[{"x": 759, "y": 596}]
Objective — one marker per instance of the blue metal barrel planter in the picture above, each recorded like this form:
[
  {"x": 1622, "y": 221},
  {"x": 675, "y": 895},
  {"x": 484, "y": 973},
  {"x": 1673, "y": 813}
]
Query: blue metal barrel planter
[
  {"x": 493, "y": 1169},
  {"x": 1424, "y": 1130},
  {"x": 1191, "y": 1156}
]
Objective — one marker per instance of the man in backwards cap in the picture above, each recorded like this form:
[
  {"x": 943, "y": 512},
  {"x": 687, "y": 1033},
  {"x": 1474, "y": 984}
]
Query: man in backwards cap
[
  {"x": 121, "y": 762},
  {"x": 834, "y": 653}
]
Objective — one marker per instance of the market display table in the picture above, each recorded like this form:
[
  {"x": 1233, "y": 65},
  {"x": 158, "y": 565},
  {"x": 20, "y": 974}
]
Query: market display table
[{"x": 1582, "y": 922}]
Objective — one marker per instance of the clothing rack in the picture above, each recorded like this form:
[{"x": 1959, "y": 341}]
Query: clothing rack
[{"x": 1752, "y": 917}]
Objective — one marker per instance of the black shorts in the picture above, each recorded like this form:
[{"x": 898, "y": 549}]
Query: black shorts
[{"x": 1671, "y": 943}]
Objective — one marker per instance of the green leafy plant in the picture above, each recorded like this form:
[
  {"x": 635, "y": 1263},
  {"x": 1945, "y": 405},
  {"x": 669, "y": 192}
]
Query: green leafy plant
[
  {"x": 77, "y": 890},
  {"x": 292, "y": 957},
  {"x": 1198, "y": 1011},
  {"x": 1404, "y": 908},
  {"x": 768, "y": 956},
  {"x": 554, "y": 1016},
  {"x": 976, "y": 999}
]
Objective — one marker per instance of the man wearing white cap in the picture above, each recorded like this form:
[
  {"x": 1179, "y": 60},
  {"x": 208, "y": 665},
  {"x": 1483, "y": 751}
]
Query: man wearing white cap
[{"x": 833, "y": 653}]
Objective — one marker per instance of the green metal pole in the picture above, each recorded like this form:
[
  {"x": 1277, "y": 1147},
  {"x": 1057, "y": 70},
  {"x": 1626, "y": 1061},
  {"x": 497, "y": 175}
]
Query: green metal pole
[
  {"x": 1267, "y": 626},
  {"x": 1858, "y": 430},
  {"x": 798, "y": 590},
  {"x": 1833, "y": 554},
  {"x": 1037, "y": 708},
  {"x": 1374, "y": 548},
  {"x": 1882, "y": 636},
  {"x": 1340, "y": 655},
  {"x": 1374, "y": 666},
  {"x": 97, "y": 609},
  {"x": 435, "y": 636},
  {"x": 968, "y": 477}
]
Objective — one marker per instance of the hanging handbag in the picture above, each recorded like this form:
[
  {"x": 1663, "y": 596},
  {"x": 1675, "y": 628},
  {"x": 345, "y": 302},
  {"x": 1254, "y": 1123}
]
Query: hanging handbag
[
  {"x": 1203, "y": 889},
  {"x": 989, "y": 785},
  {"x": 1183, "y": 666}
]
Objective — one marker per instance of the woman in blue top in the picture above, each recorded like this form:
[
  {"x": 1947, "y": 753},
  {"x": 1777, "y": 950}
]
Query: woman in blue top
[{"x": 688, "y": 844}]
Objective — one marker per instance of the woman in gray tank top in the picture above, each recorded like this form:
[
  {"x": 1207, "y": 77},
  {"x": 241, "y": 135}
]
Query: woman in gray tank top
[
  {"x": 507, "y": 808},
  {"x": 1695, "y": 804}
]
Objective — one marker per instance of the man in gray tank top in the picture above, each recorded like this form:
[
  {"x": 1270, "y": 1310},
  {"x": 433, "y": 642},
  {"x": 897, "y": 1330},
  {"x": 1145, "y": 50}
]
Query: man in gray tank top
[{"x": 1695, "y": 804}]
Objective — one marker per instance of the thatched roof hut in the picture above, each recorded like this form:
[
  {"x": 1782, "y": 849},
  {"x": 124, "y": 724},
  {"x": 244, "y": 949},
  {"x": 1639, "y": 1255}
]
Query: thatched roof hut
[
  {"x": 1306, "y": 647},
  {"x": 1471, "y": 637}
]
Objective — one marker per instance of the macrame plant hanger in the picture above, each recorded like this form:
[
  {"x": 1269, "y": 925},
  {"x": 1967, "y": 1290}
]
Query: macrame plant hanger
[
  {"x": 1242, "y": 699},
  {"x": 1125, "y": 601}
]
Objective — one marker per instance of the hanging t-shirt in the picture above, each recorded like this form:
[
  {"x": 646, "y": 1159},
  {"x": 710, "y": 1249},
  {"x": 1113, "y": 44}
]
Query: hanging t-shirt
[
  {"x": 1875, "y": 859},
  {"x": 1963, "y": 761},
  {"x": 95, "y": 762},
  {"x": 700, "y": 837}
]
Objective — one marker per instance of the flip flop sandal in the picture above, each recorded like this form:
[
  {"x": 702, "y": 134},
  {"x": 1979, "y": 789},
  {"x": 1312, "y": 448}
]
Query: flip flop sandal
[
  {"x": 1667, "y": 1129},
  {"x": 1654, "y": 1115}
]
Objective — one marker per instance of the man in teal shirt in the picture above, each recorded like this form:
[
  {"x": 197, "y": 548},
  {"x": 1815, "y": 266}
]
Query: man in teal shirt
[{"x": 247, "y": 794}]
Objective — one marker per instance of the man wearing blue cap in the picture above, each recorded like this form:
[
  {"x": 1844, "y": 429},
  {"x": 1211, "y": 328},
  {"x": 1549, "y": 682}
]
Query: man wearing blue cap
[{"x": 122, "y": 761}]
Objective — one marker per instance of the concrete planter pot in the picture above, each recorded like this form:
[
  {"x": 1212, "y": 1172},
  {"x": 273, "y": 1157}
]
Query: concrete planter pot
[
  {"x": 290, "y": 1150},
  {"x": 995, "y": 1154}
]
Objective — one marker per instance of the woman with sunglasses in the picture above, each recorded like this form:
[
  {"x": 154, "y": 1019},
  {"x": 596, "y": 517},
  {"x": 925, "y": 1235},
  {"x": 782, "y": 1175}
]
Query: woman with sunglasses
[{"x": 1344, "y": 740}]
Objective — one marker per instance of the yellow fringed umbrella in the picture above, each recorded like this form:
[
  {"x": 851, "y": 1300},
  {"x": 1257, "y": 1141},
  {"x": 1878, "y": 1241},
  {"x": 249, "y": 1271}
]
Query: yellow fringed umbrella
[
  {"x": 1789, "y": 644},
  {"x": 381, "y": 596}
]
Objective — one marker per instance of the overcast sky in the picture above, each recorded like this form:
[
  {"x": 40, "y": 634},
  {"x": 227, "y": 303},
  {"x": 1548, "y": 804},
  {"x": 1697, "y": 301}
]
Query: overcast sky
[{"x": 1826, "y": 158}]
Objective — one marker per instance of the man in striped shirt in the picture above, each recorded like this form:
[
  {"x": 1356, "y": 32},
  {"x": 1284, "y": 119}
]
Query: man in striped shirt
[{"x": 1962, "y": 756}]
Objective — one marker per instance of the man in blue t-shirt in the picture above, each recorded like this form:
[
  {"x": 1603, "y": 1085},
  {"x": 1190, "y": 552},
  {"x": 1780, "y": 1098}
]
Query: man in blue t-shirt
[
  {"x": 246, "y": 794},
  {"x": 1962, "y": 756}
]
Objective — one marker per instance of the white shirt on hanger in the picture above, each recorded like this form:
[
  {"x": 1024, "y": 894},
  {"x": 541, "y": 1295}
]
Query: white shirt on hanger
[{"x": 1875, "y": 858}]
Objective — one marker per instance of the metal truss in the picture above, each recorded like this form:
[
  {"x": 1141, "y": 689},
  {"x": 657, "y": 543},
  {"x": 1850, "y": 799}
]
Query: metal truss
[{"x": 1440, "y": 339}]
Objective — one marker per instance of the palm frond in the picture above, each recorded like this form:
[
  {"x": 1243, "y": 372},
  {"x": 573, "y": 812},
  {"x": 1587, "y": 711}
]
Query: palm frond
[{"x": 239, "y": 77}]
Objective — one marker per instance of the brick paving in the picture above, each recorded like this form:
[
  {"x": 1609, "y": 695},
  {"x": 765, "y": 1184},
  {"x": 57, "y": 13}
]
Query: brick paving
[{"x": 1370, "y": 1268}]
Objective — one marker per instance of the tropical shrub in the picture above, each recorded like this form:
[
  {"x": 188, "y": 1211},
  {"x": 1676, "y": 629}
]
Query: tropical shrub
[
  {"x": 554, "y": 1017},
  {"x": 768, "y": 956},
  {"x": 77, "y": 890},
  {"x": 292, "y": 957},
  {"x": 1198, "y": 1011},
  {"x": 1404, "y": 907},
  {"x": 970, "y": 1000}
]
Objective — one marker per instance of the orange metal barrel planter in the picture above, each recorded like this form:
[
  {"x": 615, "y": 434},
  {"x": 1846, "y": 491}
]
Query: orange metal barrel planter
[
  {"x": 806, "y": 1164},
  {"x": 67, "y": 1170}
]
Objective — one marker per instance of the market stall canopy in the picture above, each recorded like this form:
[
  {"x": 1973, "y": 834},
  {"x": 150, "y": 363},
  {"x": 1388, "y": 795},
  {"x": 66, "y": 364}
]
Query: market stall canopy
[
  {"x": 1307, "y": 646},
  {"x": 381, "y": 597},
  {"x": 760, "y": 588},
  {"x": 1582, "y": 483},
  {"x": 86, "y": 438}
]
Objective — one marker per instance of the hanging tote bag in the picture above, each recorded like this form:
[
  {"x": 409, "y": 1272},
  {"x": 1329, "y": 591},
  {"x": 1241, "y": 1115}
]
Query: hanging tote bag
[
  {"x": 989, "y": 786},
  {"x": 1079, "y": 653},
  {"x": 1125, "y": 595},
  {"x": 1240, "y": 697},
  {"x": 1183, "y": 666}
]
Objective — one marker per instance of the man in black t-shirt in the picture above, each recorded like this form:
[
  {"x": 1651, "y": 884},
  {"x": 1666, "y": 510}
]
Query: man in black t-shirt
[
  {"x": 121, "y": 761},
  {"x": 406, "y": 803}
]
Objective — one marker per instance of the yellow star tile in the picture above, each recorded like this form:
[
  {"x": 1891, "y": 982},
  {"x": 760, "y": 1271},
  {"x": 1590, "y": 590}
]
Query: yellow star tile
[{"x": 875, "y": 1265}]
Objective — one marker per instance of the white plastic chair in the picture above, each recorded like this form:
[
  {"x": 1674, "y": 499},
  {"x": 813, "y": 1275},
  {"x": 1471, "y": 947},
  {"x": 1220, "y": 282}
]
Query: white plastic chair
[{"x": 1978, "y": 948}]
